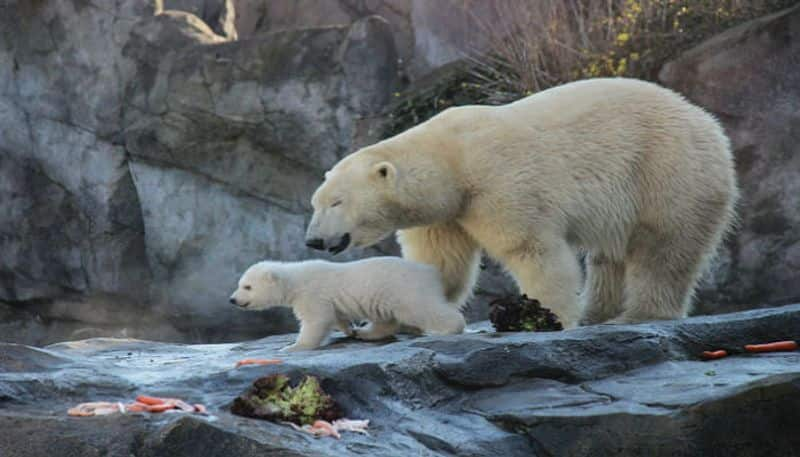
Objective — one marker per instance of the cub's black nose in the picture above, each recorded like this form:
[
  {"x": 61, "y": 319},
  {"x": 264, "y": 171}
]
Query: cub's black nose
[
  {"x": 233, "y": 301},
  {"x": 316, "y": 243}
]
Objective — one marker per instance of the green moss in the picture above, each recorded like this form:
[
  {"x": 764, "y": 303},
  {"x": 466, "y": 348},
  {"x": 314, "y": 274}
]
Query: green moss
[{"x": 275, "y": 398}]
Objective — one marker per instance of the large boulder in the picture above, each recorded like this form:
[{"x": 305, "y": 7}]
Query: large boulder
[
  {"x": 748, "y": 77},
  {"x": 604, "y": 390},
  {"x": 149, "y": 160}
]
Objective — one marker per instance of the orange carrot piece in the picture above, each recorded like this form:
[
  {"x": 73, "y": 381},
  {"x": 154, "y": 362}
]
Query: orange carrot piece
[
  {"x": 136, "y": 407},
  {"x": 150, "y": 400},
  {"x": 258, "y": 362},
  {"x": 710, "y": 355},
  {"x": 325, "y": 428},
  {"x": 772, "y": 347},
  {"x": 159, "y": 408},
  {"x": 179, "y": 404}
]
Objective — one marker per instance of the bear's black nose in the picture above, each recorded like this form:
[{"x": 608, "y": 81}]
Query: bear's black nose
[
  {"x": 316, "y": 243},
  {"x": 233, "y": 301},
  {"x": 342, "y": 245}
]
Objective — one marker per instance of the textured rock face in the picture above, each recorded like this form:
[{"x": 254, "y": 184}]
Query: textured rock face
[
  {"x": 603, "y": 390},
  {"x": 220, "y": 15},
  {"x": 428, "y": 34},
  {"x": 149, "y": 160},
  {"x": 748, "y": 77}
]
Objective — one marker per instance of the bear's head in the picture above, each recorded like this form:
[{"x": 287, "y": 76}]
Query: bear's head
[
  {"x": 260, "y": 287},
  {"x": 356, "y": 206}
]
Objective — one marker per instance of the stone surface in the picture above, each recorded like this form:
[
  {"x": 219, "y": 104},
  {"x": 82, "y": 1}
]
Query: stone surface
[
  {"x": 150, "y": 160},
  {"x": 748, "y": 77},
  {"x": 428, "y": 34},
  {"x": 220, "y": 15},
  {"x": 603, "y": 390}
]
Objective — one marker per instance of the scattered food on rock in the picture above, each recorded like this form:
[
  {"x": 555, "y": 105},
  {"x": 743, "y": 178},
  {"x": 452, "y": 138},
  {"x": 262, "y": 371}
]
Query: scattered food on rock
[
  {"x": 351, "y": 425},
  {"x": 711, "y": 355},
  {"x": 518, "y": 313},
  {"x": 274, "y": 398},
  {"x": 96, "y": 408},
  {"x": 325, "y": 428},
  {"x": 142, "y": 404},
  {"x": 772, "y": 347},
  {"x": 244, "y": 362},
  {"x": 776, "y": 346}
]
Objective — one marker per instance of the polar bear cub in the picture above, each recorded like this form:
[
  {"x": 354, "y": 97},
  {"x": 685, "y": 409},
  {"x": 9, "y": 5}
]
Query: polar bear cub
[{"x": 390, "y": 292}]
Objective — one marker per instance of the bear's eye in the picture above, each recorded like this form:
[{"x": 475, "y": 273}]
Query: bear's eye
[
  {"x": 247, "y": 287},
  {"x": 336, "y": 203}
]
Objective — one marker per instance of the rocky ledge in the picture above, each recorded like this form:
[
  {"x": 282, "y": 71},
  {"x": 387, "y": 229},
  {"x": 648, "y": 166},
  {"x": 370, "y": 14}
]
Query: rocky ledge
[{"x": 602, "y": 390}]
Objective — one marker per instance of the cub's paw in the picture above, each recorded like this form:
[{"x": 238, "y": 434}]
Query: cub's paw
[{"x": 294, "y": 348}]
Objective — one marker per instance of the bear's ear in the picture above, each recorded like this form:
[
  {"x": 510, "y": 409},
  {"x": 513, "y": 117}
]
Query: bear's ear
[{"x": 384, "y": 170}]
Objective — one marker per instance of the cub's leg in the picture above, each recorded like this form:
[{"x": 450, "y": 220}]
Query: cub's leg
[
  {"x": 602, "y": 293},
  {"x": 311, "y": 335},
  {"x": 345, "y": 327},
  {"x": 377, "y": 330},
  {"x": 450, "y": 249},
  {"x": 439, "y": 318},
  {"x": 550, "y": 273}
]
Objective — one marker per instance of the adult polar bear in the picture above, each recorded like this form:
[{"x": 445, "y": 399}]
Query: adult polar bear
[{"x": 627, "y": 171}]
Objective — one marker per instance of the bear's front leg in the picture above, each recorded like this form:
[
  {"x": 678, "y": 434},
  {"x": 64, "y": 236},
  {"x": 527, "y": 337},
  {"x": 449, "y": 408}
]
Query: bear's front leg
[
  {"x": 311, "y": 336},
  {"x": 602, "y": 295},
  {"x": 550, "y": 273},
  {"x": 450, "y": 249}
]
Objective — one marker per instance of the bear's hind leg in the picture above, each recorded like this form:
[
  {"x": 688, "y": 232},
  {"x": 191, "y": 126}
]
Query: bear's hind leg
[
  {"x": 660, "y": 275},
  {"x": 603, "y": 292}
]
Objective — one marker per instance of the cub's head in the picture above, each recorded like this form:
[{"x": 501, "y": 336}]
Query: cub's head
[
  {"x": 356, "y": 206},
  {"x": 260, "y": 287}
]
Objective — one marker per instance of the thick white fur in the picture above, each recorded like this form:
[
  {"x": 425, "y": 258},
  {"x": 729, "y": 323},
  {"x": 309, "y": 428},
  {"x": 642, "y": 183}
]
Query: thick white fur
[
  {"x": 388, "y": 291},
  {"x": 623, "y": 169}
]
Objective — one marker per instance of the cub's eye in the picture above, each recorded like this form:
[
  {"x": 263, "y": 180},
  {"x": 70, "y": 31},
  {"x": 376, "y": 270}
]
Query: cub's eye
[
  {"x": 336, "y": 203},
  {"x": 247, "y": 287}
]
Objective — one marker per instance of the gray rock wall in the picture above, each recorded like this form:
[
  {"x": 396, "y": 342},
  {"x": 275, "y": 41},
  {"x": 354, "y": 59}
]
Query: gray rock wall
[
  {"x": 147, "y": 160},
  {"x": 748, "y": 77},
  {"x": 147, "y": 155}
]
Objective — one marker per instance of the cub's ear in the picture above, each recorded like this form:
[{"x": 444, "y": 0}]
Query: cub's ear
[
  {"x": 271, "y": 276},
  {"x": 384, "y": 170}
]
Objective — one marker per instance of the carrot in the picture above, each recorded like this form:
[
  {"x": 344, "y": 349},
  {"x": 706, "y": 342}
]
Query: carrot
[
  {"x": 324, "y": 428},
  {"x": 180, "y": 404},
  {"x": 150, "y": 400},
  {"x": 136, "y": 407},
  {"x": 710, "y": 355},
  {"x": 772, "y": 347},
  {"x": 258, "y": 362},
  {"x": 159, "y": 408}
]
